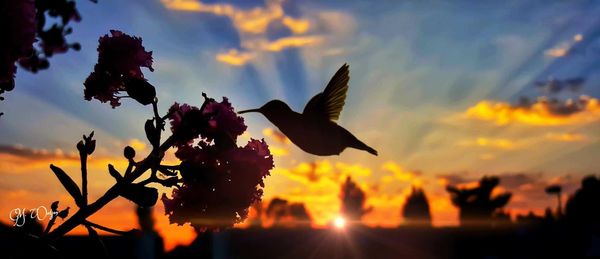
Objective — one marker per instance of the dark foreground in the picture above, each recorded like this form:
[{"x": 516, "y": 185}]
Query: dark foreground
[{"x": 508, "y": 242}]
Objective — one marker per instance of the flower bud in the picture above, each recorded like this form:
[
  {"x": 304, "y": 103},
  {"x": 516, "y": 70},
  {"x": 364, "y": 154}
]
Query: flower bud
[
  {"x": 90, "y": 146},
  {"x": 140, "y": 90},
  {"x": 129, "y": 152},
  {"x": 81, "y": 146}
]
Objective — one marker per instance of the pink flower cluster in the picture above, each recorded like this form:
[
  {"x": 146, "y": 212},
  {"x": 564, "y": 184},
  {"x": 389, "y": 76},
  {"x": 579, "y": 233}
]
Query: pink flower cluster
[
  {"x": 18, "y": 32},
  {"x": 120, "y": 58},
  {"x": 220, "y": 181}
]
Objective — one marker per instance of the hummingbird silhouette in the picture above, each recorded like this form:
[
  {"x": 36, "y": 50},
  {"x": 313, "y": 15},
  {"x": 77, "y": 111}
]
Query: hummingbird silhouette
[{"x": 314, "y": 130}]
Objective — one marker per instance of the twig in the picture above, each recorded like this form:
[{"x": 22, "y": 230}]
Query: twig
[
  {"x": 83, "y": 158},
  {"x": 107, "y": 229}
]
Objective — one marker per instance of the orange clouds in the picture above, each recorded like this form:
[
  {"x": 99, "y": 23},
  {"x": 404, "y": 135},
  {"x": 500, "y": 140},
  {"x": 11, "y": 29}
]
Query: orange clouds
[
  {"x": 540, "y": 113},
  {"x": 297, "y": 26},
  {"x": 253, "y": 21},
  {"x": 400, "y": 174},
  {"x": 252, "y": 25},
  {"x": 234, "y": 57},
  {"x": 566, "y": 137},
  {"x": 278, "y": 142}
]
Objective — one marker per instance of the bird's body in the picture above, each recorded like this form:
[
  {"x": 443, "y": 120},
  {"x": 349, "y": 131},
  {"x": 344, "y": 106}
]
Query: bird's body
[{"x": 314, "y": 130}]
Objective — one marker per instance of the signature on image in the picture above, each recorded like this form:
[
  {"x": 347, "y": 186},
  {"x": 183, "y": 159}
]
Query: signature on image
[{"x": 20, "y": 215}]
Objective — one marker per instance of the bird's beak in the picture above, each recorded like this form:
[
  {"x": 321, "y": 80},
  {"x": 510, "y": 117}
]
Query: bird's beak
[{"x": 251, "y": 110}]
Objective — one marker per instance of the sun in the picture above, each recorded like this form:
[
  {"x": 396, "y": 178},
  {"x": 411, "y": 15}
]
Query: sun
[{"x": 339, "y": 222}]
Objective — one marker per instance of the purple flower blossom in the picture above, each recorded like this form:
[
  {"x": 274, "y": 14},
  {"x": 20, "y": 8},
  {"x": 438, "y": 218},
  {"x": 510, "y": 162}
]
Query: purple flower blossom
[
  {"x": 218, "y": 185},
  {"x": 218, "y": 121},
  {"x": 120, "y": 58},
  {"x": 223, "y": 120},
  {"x": 18, "y": 29}
]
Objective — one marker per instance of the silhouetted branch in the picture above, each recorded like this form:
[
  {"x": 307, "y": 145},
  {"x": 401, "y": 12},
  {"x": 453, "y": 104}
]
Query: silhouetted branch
[
  {"x": 110, "y": 230},
  {"x": 94, "y": 235}
]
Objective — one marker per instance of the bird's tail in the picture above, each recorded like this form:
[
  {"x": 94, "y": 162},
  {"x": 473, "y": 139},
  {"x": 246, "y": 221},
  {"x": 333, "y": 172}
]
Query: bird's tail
[{"x": 362, "y": 146}]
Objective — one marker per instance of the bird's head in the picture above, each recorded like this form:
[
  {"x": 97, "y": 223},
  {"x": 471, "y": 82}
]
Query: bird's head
[{"x": 271, "y": 110}]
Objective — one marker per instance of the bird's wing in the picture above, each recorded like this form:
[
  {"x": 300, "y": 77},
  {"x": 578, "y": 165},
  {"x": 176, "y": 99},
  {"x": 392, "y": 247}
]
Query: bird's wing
[{"x": 330, "y": 102}]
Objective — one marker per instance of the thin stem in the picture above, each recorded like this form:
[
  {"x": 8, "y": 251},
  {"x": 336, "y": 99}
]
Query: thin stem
[
  {"x": 107, "y": 229},
  {"x": 83, "y": 158},
  {"x": 155, "y": 108},
  {"x": 129, "y": 167}
]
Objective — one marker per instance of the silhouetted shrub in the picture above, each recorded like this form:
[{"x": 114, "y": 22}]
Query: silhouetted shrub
[
  {"x": 353, "y": 201},
  {"x": 281, "y": 213},
  {"x": 416, "y": 209},
  {"x": 477, "y": 206}
]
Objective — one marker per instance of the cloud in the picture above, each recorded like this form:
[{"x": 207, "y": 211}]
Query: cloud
[
  {"x": 542, "y": 112},
  {"x": 455, "y": 179},
  {"x": 496, "y": 143},
  {"x": 234, "y": 57},
  {"x": 297, "y": 26},
  {"x": 35, "y": 154},
  {"x": 564, "y": 48},
  {"x": 565, "y": 137},
  {"x": 253, "y": 21},
  {"x": 316, "y": 171},
  {"x": 138, "y": 145},
  {"x": 400, "y": 174},
  {"x": 278, "y": 142},
  {"x": 282, "y": 43},
  {"x": 276, "y": 136},
  {"x": 553, "y": 86},
  {"x": 253, "y": 26}
]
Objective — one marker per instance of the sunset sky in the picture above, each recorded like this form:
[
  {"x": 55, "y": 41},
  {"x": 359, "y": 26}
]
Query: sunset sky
[{"x": 435, "y": 87}]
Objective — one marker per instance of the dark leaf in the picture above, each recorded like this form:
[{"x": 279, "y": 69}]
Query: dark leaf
[
  {"x": 90, "y": 146},
  {"x": 63, "y": 213},
  {"x": 140, "y": 90},
  {"x": 114, "y": 173},
  {"x": 141, "y": 195},
  {"x": 69, "y": 185},
  {"x": 152, "y": 133},
  {"x": 54, "y": 206}
]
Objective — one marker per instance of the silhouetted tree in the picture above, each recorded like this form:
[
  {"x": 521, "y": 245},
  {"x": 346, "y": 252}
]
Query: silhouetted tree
[
  {"x": 416, "y": 209},
  {"x": 556, "y": 190},
  {"x": 582, "y": 216},
  {"x": 583, "y": 208},
  {"x": 282, "y": 213},
  {"x": 276, "y": 210},
  {"x": 353, "y": 201},
  {"x": 300, "y": 214},
  {"x": 477, "y": 204}
]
